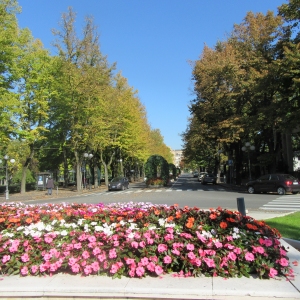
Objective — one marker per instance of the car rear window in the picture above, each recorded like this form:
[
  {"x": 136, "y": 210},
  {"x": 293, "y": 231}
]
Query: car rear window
[{"x": 289, "y": 177}]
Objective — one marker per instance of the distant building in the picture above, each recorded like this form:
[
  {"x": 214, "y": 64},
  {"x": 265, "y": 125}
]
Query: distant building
[{"x": 177, "y": 157}]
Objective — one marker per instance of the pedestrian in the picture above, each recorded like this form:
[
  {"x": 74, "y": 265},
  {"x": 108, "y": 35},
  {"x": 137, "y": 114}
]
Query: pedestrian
[{"x": 50, "y": 185}]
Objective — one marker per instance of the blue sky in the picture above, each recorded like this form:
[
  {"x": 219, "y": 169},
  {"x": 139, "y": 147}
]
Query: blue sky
[{"x": 152, "y": 42}]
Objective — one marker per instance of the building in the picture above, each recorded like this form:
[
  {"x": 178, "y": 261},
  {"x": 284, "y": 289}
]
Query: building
[{"x": 177, "y": 157}]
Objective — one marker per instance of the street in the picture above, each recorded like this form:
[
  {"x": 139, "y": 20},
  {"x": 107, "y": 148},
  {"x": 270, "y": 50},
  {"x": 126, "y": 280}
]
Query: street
[{"x": 188, "y": 191}]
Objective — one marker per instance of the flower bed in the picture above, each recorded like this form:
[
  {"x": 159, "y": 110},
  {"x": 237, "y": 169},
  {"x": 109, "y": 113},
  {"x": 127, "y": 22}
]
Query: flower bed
[{"x": 137, "y": 239}]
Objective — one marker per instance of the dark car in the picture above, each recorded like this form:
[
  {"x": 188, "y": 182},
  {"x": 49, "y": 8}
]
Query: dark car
[
  {"x": 209, "y": 178},
  {"x": 201, "y": 174},
  {"x": 277, "y": 183},
  {"x": 118, "y": 183},
  {"x": 195, "y": 174}
]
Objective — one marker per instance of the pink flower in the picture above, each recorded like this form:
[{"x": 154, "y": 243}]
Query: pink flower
[
  {"x": 167, "y": 259},
  {"x": 218, "y": 244},
  {"x": 210, "y": 262},
  {"x": 112, "y": 253},
  {"x": 47, "y": 256},
  {"x": 5, "y": 259},
  {"x": 259, "y": 249},
  {"x": 75, "y": 268},
  {"x": 96, "y": 251},
  {"x": 140, "y": 271},
  {"x": 158, "y": 270},
  {"x": 283, "y": 262},
  {"x": 95, "y": 266},
  {"x": 129, "y": 261},
  {"x": 142, "y": 244},
  {"x": 268, "y": 242},
  {"x": 77, "y": 246},
  {"x": 190, "y": 247},
  {"x": 231, "y": 256},
  {"x": 176, "y": 252},
  {"x": 92, "y": 239},
  {"x": 85, "y": 254},
  {"x": 145, "y": 261},
  {"x": 282, "y": 252},
  {"x": 272, "y": 272},
  {"x": 25, "y": 257},
  {"x": 24, "y": 271},
  {"x": 151, "y": 267},
  {"x": 87, "y": 270},
  {"x": 114, "y": 268},
  {"x": 134, "y": 244},
  {"x": 48, "y": 239},
  {"x": 249, "y": 256},
  {"x": 191, "y": 255},
  {"x": 101, "y": 257},
  {"x": 162, "y": 248},
  {"x": 34, "y": 269},
  {"x": 237, "y": 251},
  {"x": 197, "y": 262}
]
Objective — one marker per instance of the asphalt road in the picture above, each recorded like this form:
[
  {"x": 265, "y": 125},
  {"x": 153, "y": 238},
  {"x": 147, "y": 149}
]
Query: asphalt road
[{"x": 188, "y": 191}]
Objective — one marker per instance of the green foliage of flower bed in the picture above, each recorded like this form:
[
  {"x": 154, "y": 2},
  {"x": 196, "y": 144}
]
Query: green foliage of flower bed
[{"x": 135, "y": 240}]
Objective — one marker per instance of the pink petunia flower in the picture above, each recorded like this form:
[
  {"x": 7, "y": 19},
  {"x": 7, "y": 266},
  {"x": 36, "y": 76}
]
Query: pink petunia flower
[
  {"x": 272, "y": 272},
  {"x": 283, "y": 262},
  {"x": 75, "y": 268},
  {"x": 134, "y": 244},
  {"x": 145, "y": 261},
  {"x": 249, "y": 256},
  {"x": 85, "y": 254},
  {"x": 158, "y": 270},
  {"x": 25, "y": 257},
  {"x": 191, "y": 255},
  {"x": 210, "y": 262},
  {"x": 24, "y": 271},
  {"x": 151, "y": 267},
  {"x": 167, "y": 259},
  {"x": 190, "y": 247},
  {"x": 5, "y": 259},
  {"x": 231, "y": 256},
  {"x": 112, "y": 253},
  {"x": 34, "y": 269},
  {"x": 140, "y": 271},
  {"x": 162, "y": 248}
]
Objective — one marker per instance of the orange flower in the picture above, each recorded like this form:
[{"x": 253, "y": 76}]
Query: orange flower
[
  {"x": 28, "y": 220},
  {"x": 170, "y": 218},
  {"x": 178, "y": 215},
  {"x": 2, "y": 220},
  {"x": 189, "y": 224},
  {"x": 156, "y": 212},
  {"x": 223, "y": 225},
  {"x": 146, "y": 224},
  {"x": 212, "y": 216},
  {"x": 139, "y": 215},
  {"x": 119, "y": 218}
]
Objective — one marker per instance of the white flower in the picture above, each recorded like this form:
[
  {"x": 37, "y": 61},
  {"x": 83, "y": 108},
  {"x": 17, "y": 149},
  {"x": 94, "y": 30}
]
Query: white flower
[
  {"x": 236, "y": 230},
  {"x": 98, "y": 228},
  {"x": 86, "y": 228},
  {"x": 130, "y": 235},
  {"x": 64, "y": 232},
  {"x": 161, "y": 222},
  {"x": 48, "y": 228},
  {"x": 94, "y": 223},
  {"x": 54, "y": 222},
  {"x": 235, "y": 236}
]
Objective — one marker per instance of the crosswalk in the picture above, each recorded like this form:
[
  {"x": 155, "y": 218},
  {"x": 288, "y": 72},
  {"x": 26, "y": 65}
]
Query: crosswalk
[
  {"x": 133, "y": 191},
  {"x": 284, "y": 203}
]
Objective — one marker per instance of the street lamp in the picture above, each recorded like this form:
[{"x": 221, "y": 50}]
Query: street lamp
[
  {"x": 121, "y": 166},
  {"x": 247, "y": 148},
  {"x": 12, "y": 160},
  {"x": 85, "y": 157}
]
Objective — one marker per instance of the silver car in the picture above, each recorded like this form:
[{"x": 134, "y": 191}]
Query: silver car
[{"x": 118, "y": 183}]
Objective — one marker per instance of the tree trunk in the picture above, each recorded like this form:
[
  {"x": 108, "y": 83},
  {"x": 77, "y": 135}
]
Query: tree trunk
[{"x": 24, "y": 170}]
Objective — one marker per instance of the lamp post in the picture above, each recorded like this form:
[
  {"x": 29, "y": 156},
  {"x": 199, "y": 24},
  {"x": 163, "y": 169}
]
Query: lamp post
[
  {"x": 12, "y": 160},
  {"x": 247, "y": 148},
  {"x": 219, "y": 165},
  {"x": 85, "y": 157},
  {"x": 121, "y": 166}
]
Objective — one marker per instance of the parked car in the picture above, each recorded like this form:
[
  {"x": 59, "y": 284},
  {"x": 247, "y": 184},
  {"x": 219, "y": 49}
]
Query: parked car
[
  {"x": 209, "y": 178},
  {"x": 195, "y": 174},
  {"x": 276, "y": 183},
  {"x": 201, "y": 174},
  {"x": 118, "y": 183}
]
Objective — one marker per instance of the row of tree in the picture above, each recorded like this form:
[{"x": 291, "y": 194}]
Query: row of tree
[
  {"x": 247, "y": 90},
  {"x": 54, "y": 108}
]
